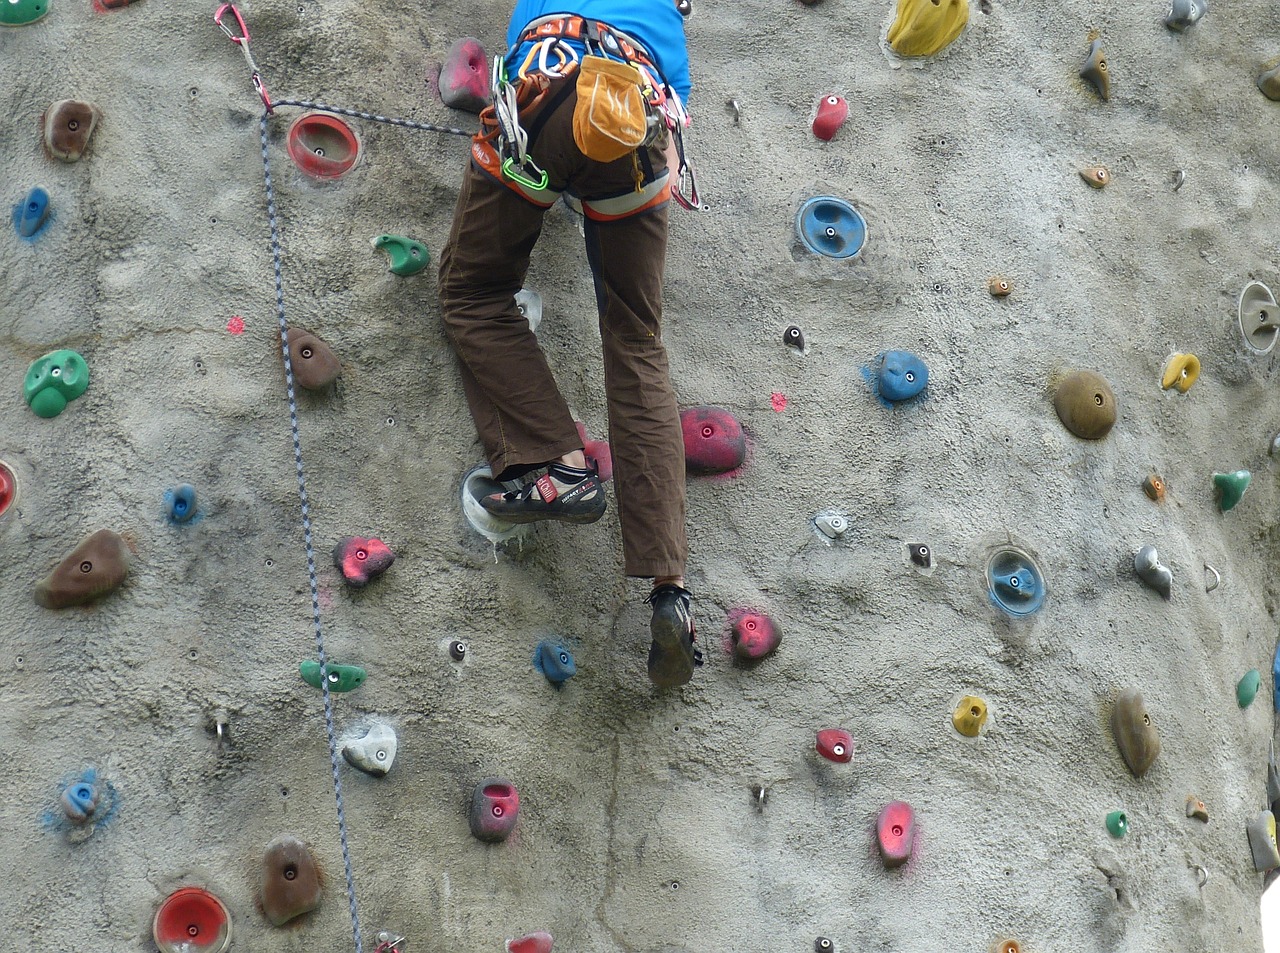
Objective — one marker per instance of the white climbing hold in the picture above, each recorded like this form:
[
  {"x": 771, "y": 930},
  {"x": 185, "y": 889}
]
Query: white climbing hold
[{"x": 375, "y": 752}]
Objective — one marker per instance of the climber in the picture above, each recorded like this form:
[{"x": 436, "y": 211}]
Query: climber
[{"x": 588, "y": 105}]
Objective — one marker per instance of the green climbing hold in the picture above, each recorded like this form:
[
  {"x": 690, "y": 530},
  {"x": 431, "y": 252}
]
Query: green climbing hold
[
  {"x": 1117, "y": 824},
  {"x": 408, "y": 257},
  {"x": 22, "y": 12},
  {"x": 56, "y": 379},
  {"x": 1230, "y": 487},
  {"x": 342, "y": 678},
  {"x": 1247, "y": 687}
]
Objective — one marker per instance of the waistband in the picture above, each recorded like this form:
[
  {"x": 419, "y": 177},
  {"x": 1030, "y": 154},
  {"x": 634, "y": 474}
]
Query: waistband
[{"x": 573, "y": 27}]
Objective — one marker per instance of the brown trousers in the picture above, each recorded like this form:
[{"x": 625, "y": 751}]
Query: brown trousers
[{"x": 522, "y": 418}]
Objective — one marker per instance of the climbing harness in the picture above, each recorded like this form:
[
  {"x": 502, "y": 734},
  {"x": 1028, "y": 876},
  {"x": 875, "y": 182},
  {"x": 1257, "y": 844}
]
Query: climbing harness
[{"x": 241, "y": 39}]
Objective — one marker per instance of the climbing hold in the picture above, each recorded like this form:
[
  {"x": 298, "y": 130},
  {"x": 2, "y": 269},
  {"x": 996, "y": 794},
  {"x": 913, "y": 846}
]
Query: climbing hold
[
  {"x": 68, "y": 125},
  {"x": 529, "y": 303},
  {"x": 180, "y": 503},
  {"x": 1146, "y": 563},
  {"x": 1007, "y": 946},
  {"x": 191, "y": 920},
  {"x": 1247, "y": 687},
  {"x": 685, "y": 7},
  {"x": 920, "y": 554},
  {"x": 8, "y": 488},
  {"x": 832, "y": 113},
  {"x": 999, "y": 287},
  {"x": 537, "y": 942},
  {"x": 495, "y": 806},
  {"x": 1230, "y": 487},
  {"x": 753, "y": 635},
  {"x": 835, "y": 744},
  {"x": 314, "y": 364},
  {"x": 793, "y": 337},
  {"x": 477, "y": 483},
  {"x": 970, "y": 716},
  {"x": 823, "y": 945},
  {"x": 79, "y": 801},
  {"x": 362, "y": 560},
  {"x": 1196, "y": 809},
  {"x": 1275, "y": 678},
  {"x": 900, "y": 375},
  {"x": 1015, "y": 582},
  {"x": 407, "y": 256},
  {"x": 322, "y": 145},
  {"x": 374, "y": 752},
  {"x": 342, "y": 678},
  {"x": 290, "y": 880},
  {"x": 464, "y": 77},
  {"x": 1185, "y": 13},
  {"x": 554, "y": 661},
  {"x": 831, "y": 525},
  {"x": 1262, "y": 842},
  {"x": 1154, "y": 487},
  {"x": 895, "y": 833},
  {"x": 22, "y": 12},
  {"x": 1096, "y": 176},
  {"x": 1134, "y": 732},
  {"x": 457, "y": 650},
  {"x": 831, "y": 227},
  {"x": 713, "y": 440},
  {"x": 93, "y": 569},
  {"x": 1181, "y": 372},
  {"x": 31, "y": 214},
  {"x": 55, "y": 380},
  {"x": 1085, "y": 405},
  {"x": 597, "y": 452},
  {"x": 1259, "y": 317},
  {"x": 923, "y": 27},
  {"x": 1269, "y": 82},
  {"x": 1095, "y": 70},
  {"x": 1117, "y": 824}
]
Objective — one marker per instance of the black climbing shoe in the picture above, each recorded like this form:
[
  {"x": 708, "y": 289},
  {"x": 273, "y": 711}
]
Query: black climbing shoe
[
  {"x": 672, "y": 655},
  {"x": 564, "y": 493}
]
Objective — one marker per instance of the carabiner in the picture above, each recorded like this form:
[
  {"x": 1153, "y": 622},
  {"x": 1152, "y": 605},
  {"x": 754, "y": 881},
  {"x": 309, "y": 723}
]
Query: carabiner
[
  {"x": 510, "y": 171},
  {"x": 244, "y": 27}
]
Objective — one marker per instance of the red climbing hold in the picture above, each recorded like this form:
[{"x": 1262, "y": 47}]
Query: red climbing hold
[
  {"x": 835, "y": 744},
  {"x": 597, "y": 452},
  {"x": 896, "y": 831},
  {"x": 464, "y": 77},
  {"x": 192, "y": 920},
  {"x": 322, "y": 145},
  {"x": 832, "y": 112},
  {"x": 8, "y": 487},
  {"x": 495, "y": 807},
  {"x": 362, "y": 560},
  {"x": 713, "y": 440},
  {"x": 539, "y": 942},
  {"x": 753, "y": 635}
]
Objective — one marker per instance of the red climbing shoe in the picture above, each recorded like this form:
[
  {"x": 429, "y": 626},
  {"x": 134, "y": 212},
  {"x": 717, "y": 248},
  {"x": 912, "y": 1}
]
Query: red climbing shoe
[{"x": 565, "y": 494}]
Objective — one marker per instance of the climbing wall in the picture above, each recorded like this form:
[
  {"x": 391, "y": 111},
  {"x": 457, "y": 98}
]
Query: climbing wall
[{"x": 961, "y": 541}]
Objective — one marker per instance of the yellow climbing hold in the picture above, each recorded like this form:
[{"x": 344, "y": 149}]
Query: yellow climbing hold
[
  {"x": 970, "y": 716},
  {"x": 1181, "y": 372},
  {"x": 923, "y": 27}
]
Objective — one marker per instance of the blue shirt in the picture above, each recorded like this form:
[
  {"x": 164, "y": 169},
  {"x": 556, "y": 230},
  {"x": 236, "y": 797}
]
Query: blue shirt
[{"x": 657, "y": 24}]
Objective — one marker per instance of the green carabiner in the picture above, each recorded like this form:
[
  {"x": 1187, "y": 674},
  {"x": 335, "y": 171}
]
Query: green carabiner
[{"x": 512, "y": 172}]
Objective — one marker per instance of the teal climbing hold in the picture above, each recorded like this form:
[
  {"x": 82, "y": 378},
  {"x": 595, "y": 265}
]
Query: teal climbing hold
[
  {"x": 1230, "y": 487},
  {"x": 56, "y": 379},
  {"x": 1248, "y": 687},
  {"x": 22, "y": 12},
  {"x": 342, "y": 678},
  {"x": 408, "y": 256},
  {"x": 1117, "y": 824}
]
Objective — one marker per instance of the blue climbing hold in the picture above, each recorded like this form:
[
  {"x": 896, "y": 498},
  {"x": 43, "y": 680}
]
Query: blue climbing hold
[
  {"x": 31, "y": 214},
  {"x": 1275, "y": 679},
  {"x": 831, "y": 227},
  {"x": 1015, "y": 582},
  {"x": 180, "y": 503},
  {"x": 80, "y": 801},
  {"x": 554, "y": 661},
  {"x": 900, "y": 375}
]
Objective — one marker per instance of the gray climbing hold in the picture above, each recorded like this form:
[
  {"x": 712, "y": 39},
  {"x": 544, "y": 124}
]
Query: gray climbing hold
[
  {"x": 1262, "y": 842},
  {"x": 1150, "y": 570},
  {"x": 477, "y": 483},
  {"x": 1185, "y": 13},
  {"x": 530, "y": 304},
  {"x": 375, "y": 752},
  {"x": 1259, "y": 317},
  {"x": 1095, "y": 70},
  {"x": 1273, "y": 778},
  {"x": 831, "y": 525},
  {"x": 1269, "y": 82}
]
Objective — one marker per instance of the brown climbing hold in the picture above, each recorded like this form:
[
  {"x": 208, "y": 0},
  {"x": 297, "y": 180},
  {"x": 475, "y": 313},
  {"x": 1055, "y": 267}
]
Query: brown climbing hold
[
  {"x": 1196, "y": 809},
  {"x": 1085, "y": 405},
  {"x": 1134, "y": 732},
  {"x": 93, "y": 569},
  {"x": 999, "y": 287},
  {"x": 290, "y": 880},
  {"x": 1096, "y": 176},
  {"x": 68, "y": 124},
  {"x": 1154, "y": 486},
  {"x": 1269, "y": 82},
  {"x": 1095, "y": 70},
  {"x": 314, "y": 365}
]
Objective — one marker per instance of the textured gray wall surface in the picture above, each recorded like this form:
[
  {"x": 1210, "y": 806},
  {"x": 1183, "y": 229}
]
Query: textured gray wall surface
[{"x": 638, "y": 830}]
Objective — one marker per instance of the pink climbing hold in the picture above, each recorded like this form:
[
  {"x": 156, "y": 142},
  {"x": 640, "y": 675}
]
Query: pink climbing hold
[
  {"x": 713, "y": 440},
  {"x": 464, "y": 77},
  {"x": 362, "y": 560},
  {"x": 597, "y": 452},
  {"x": 752, "y": 635},
  {"x": 537, "y": 942},
  {"x": 896, "y": 833},
  {"x": 835, "y": 744},
  {"x": 832, "y": 112},
  {"x": 495, "y": 807},
  {"x": 236, "y": 325}
]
